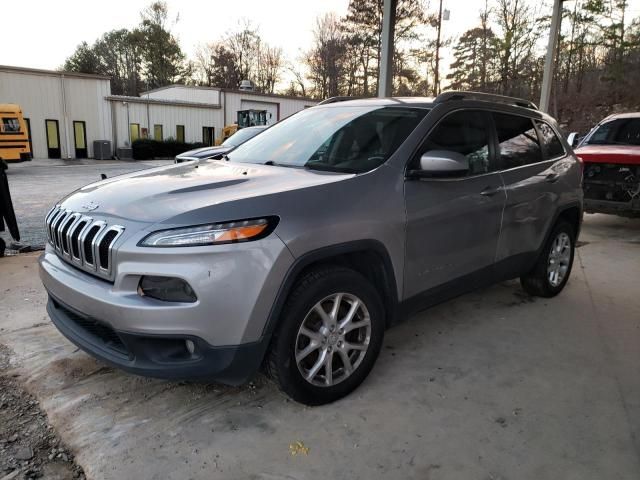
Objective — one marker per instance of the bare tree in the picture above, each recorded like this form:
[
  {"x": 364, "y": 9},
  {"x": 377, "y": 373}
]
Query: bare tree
[{"x": 326, "y": 59}]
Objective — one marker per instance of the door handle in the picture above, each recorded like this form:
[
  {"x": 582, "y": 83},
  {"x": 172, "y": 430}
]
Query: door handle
[
  {"x": 552, "y": 177},
  {"x": 490, "y": 191}
]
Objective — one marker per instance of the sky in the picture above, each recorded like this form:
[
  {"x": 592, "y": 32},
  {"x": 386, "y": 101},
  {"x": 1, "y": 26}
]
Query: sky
[
  {"x": 59, "y": 26},
  {"x": 52, "y": 31}
]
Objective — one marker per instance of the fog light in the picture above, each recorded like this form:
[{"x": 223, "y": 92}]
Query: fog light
[
  {"x": 168, "y": 289},
  {"x": 191, "y": 347}
]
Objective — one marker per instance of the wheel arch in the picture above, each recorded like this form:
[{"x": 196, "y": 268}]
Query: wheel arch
[{"x": 368, "y": 257}]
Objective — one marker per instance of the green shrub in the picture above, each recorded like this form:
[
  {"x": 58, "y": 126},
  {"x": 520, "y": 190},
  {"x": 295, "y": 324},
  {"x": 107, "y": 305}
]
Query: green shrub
[{"x": 147, "y": 149}]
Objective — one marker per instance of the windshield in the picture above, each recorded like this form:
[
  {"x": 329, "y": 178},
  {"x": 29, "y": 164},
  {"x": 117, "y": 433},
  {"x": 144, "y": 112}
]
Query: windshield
[
  {"x": 340, "y": 138},
  {"x": 241, "y": 136},
  {"x": 622, "y": 131}
]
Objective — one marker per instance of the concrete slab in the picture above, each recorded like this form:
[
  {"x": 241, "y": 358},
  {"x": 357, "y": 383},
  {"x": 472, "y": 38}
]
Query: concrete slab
[{"x": 493, "y": 385}]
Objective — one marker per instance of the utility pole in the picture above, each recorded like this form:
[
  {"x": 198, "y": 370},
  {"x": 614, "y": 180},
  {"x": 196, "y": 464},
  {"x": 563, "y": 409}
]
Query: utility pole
[
  {"x": 385, "y": 75},
  {"x": 436, "y": 77},
  {"x": 547, "y": 78}
]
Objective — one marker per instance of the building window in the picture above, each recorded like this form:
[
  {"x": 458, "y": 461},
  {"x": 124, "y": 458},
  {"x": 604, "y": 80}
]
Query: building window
[
  {"x": 180, "y": 133},
  {"x": 157, "y": 133},
  {"x": 134, "y": 131}
]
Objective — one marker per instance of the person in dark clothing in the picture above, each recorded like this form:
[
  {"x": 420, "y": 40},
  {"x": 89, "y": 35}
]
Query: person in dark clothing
[{"x": 7, "y": 215}]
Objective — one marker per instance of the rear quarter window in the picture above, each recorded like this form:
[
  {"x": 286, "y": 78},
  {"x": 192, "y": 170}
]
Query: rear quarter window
[
  {"x": 551, "y": 144},
  {"x": 518, "y": 141}
]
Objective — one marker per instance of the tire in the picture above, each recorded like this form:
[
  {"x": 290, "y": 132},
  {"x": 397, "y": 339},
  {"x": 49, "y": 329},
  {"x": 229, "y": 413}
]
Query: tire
[
  {"x": 539, "y": 281},
  {"x": 3, "y": 247},
  {"x": 321, "y": 287}
]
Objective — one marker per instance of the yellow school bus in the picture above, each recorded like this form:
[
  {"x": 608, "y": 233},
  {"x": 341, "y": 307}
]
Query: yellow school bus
[{"x": 14, "y": 134}]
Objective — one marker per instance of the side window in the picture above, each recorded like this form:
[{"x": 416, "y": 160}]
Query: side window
[
  {"x": 464, "y": 132},
  {"x": 518, "y": 141},
  {"x": 550, "y": 142}
]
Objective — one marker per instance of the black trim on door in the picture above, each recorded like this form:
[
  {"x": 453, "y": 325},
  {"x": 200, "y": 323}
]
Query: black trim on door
[
  {"x": 80, "y": 152},
  {"x": 28, "y": 122},
  {"x": 52, "y": 152}
]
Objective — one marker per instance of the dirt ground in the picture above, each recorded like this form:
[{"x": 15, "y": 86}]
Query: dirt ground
[{"x": 29, "y": 446}]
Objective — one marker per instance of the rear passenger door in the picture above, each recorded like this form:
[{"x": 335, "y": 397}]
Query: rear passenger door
[{"x": 527, "y": 154}]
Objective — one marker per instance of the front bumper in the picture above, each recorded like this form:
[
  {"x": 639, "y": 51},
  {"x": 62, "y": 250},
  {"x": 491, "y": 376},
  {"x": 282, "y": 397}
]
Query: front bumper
[
  {"x": 235, "y": 285},
  {"x": 631, "y": 208},
  {"x": 157, "y": 356}
]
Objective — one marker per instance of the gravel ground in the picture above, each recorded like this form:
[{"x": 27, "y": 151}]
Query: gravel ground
[
  {"x": 37, "y": 185},
  {"x": 29, "y": 448}
]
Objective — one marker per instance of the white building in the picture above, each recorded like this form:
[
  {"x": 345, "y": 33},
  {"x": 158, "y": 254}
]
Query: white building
[{"x": 67, "y": 112}]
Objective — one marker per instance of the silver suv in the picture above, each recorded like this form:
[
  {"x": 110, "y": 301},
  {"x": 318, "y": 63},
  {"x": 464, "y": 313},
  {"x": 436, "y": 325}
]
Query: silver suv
[{"x": 300, "y": 247}]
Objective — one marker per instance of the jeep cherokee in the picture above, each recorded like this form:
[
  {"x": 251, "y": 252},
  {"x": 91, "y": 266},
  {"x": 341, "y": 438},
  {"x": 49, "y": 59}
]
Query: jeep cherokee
[{"x": 301, "y": 246}]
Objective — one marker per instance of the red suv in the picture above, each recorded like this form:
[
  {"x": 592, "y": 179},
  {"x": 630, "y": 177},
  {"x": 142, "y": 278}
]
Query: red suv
[{"x": 611, "y": 156}]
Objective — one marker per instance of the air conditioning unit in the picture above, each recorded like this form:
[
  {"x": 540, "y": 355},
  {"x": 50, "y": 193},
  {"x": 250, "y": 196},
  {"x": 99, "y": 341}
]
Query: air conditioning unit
[
  {"x": 124, "y": 153},
  {"x": 102, "y": 150}
]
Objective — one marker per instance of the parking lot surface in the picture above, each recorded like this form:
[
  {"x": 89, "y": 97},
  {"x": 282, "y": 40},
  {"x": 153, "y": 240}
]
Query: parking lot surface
[
  {"x": 37, "y": 185},
  {"x": 492, "y": 385}
]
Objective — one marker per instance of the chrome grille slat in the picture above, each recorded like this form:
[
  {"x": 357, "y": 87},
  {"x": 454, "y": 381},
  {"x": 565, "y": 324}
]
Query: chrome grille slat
[
  {"x": 57, "y": 227},
  {"x": 71, "y": 232}
]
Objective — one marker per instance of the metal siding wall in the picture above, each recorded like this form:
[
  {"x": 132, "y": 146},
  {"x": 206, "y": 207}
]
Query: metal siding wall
[
  {"x": 169, "y": 117},
  {"x": 187, "y": 94},
  {"x": 85, "y": 102},
  {"x": 40, "y": 97}
]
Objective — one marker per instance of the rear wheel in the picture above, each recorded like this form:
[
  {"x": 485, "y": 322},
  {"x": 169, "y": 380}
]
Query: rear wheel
[
  {"x": 329, "y": 338},
  {"x": 551, "y": 272}
]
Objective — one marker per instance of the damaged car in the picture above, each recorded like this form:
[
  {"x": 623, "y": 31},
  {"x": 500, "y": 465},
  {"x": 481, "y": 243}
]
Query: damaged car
[{"x": 611, "y": 156}]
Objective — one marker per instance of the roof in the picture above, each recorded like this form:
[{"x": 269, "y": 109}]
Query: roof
[
  {"x": 9, "y": 107},
  {"x": 157, "y": 101},
  {"x": 230, "y": 90},
  {"x": 622, "y": 115},
  {"x": 474, "y": 99},
  {"x": 55, "y": 73},
  {"x": 386, "y": 101}
]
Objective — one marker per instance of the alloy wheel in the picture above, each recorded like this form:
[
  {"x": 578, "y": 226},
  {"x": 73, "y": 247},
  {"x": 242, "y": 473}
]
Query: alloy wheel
[
  {"x": 333, "y": 339},
  {"x": 559, "y": 259}
]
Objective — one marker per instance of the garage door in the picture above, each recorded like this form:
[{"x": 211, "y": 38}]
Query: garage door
[{"x": 271, "y": 108}]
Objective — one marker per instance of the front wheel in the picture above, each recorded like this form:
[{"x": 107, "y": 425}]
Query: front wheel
[
  {"x": 329, "y": 338},
  {"x": 551, "y": 272}
]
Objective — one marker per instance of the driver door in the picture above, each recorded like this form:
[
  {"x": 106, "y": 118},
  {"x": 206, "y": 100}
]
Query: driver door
[{"x": 453, "y": 223}]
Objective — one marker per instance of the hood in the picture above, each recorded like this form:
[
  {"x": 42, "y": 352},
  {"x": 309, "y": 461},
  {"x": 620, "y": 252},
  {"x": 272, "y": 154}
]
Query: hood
[
  {"x": 159, "y": 194},
  {"x": 618, "y": 154}
]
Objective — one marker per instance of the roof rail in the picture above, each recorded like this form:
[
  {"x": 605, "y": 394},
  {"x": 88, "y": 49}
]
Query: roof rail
[
  {"x": 485, "y": 97},
  {"x": 336, "y": 99}
]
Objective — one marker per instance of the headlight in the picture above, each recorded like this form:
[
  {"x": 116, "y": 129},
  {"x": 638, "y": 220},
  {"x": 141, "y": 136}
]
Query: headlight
[{"x": 212, "y": 234}]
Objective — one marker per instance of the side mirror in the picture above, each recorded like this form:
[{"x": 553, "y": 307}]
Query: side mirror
[
  {"x": 443, "y": 163},
  {"x": 573, "y": 139}
]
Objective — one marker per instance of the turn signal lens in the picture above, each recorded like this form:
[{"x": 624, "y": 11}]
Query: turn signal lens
[{"x": 217, "y": 233}]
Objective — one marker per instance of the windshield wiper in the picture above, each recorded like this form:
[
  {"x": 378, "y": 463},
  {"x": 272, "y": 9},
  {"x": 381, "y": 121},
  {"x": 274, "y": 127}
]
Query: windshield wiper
[
  {"x": 276, "y": 164},
  {"x": 330, "y": 168}
]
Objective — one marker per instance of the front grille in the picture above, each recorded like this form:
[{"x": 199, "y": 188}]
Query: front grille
[
  {"x": 82, "y": 241},
  {"x": 98, "y": 331}
]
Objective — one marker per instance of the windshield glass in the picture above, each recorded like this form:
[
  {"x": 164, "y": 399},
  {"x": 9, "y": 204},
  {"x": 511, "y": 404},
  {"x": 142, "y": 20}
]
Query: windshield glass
[
  {"x": 622, "y": 131},
  {"x": 340, "y": 138},
  {"x": 241, "y": 136}
]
